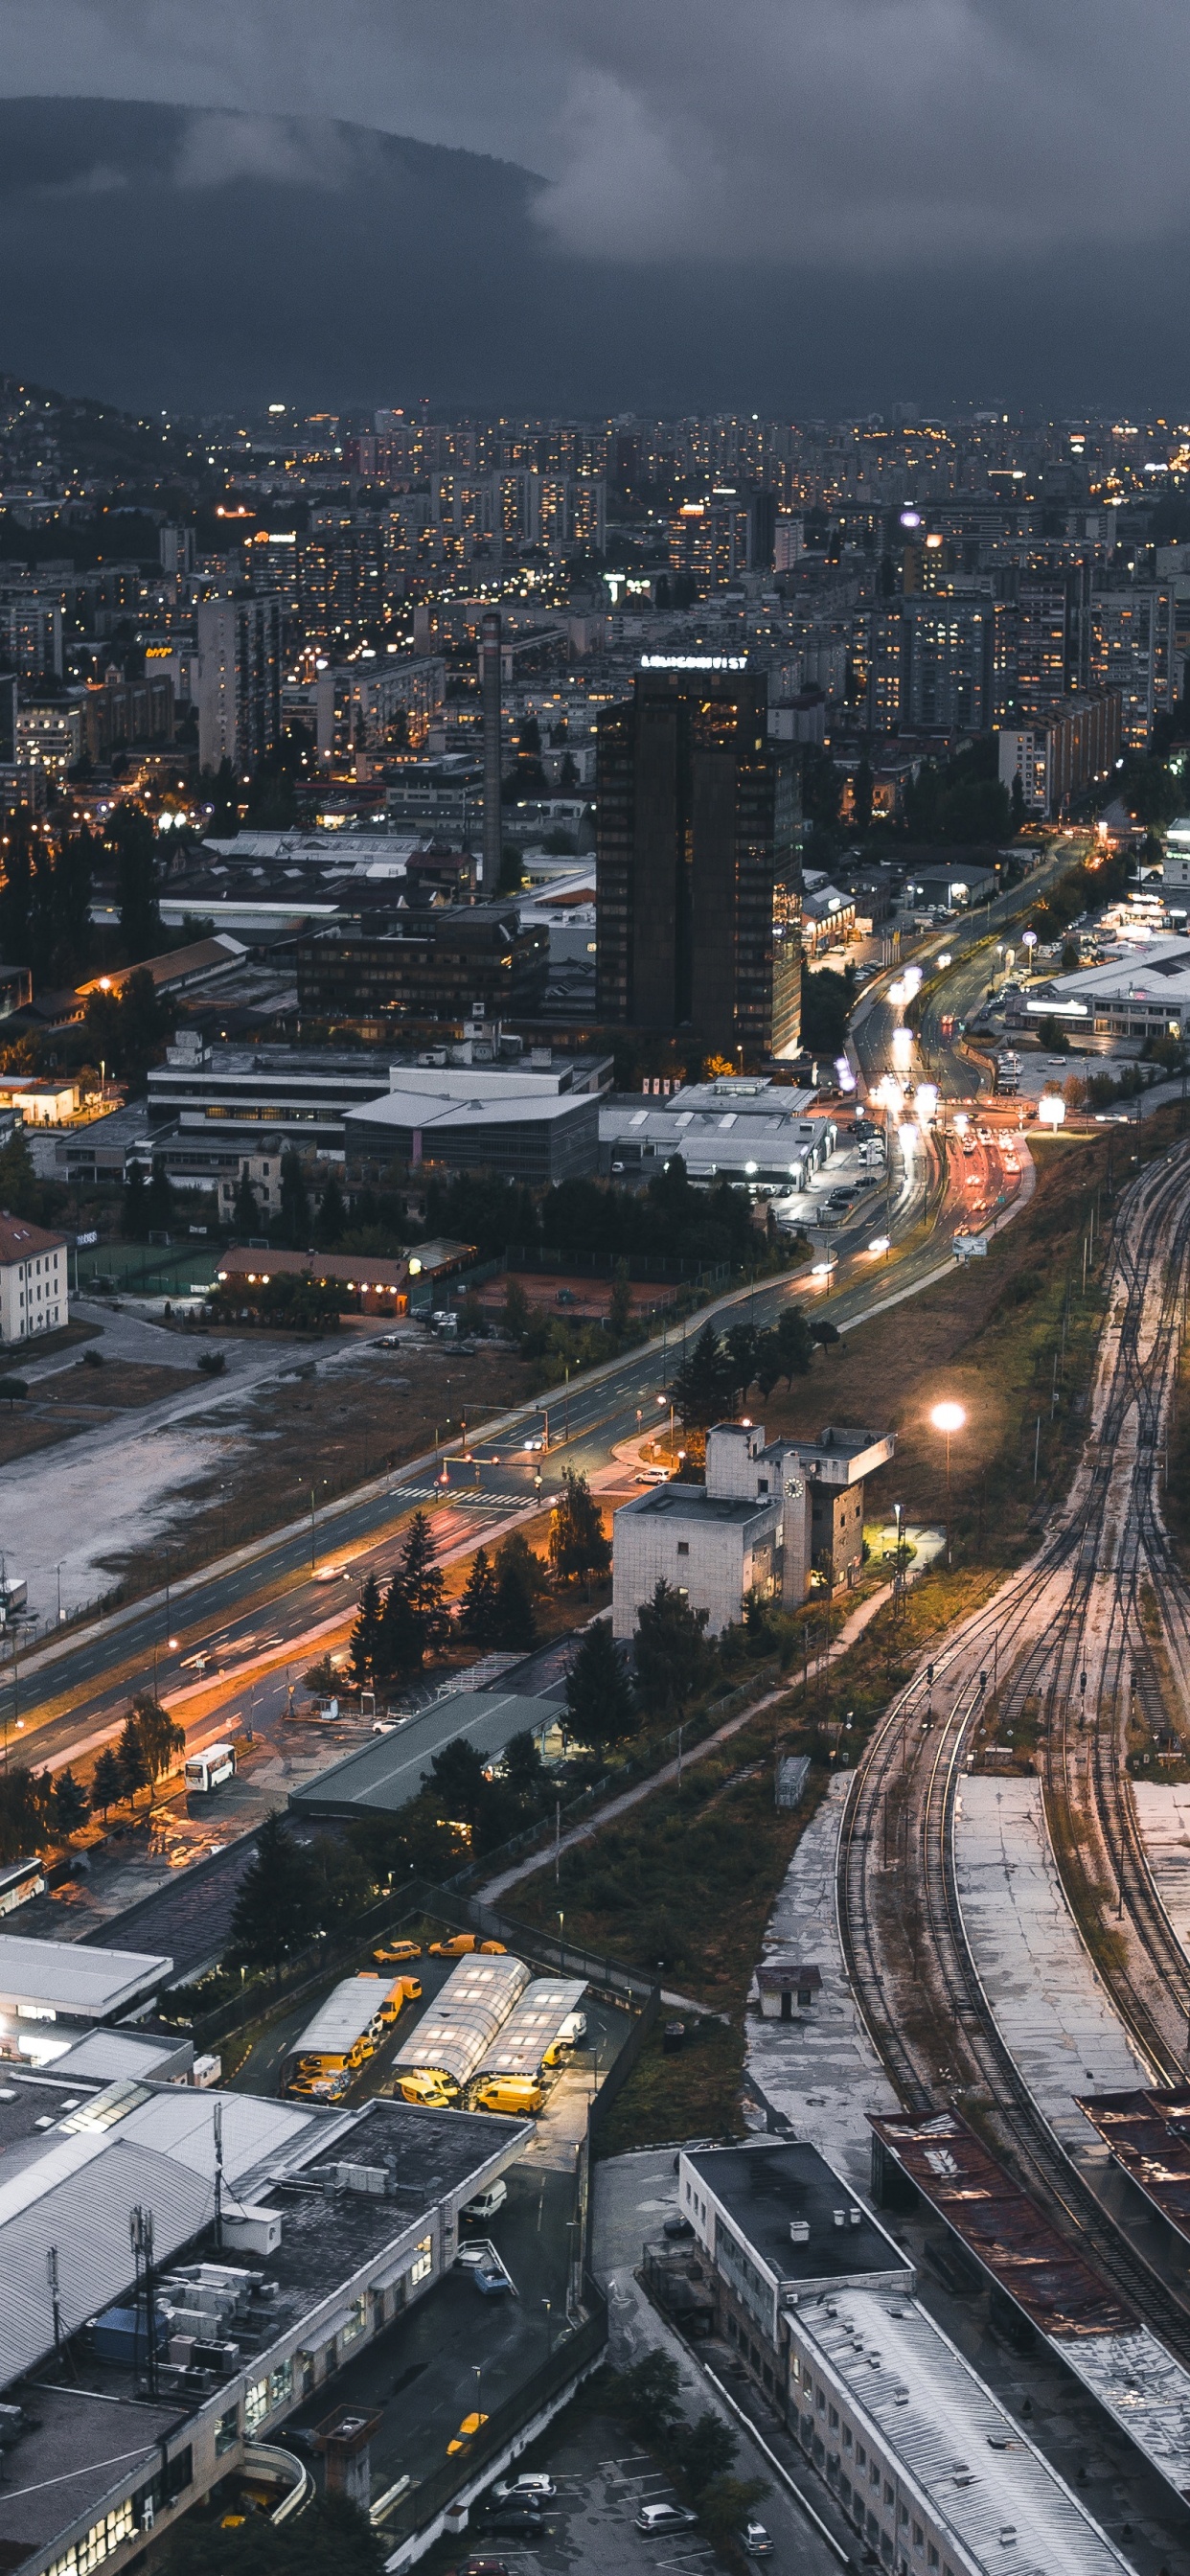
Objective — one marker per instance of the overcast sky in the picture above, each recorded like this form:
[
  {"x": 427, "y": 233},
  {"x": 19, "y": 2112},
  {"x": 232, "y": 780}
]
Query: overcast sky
[
  {"x": 1028, "y": 149},
  {"x": 868, "y": 130}
]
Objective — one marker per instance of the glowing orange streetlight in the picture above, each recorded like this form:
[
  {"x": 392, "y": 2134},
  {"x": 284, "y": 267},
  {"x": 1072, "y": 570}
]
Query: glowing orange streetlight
[{"x": 948, "y": 1418}]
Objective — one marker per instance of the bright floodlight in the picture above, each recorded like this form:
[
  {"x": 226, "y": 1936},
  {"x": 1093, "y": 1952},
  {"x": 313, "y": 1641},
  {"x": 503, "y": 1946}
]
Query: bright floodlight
[
  {"x": 948, "y": 1418},
  {"x": 1051, "y": 1110},
  {"x": 926, "y": 1100},
  {"x": 911, "y": 518},
  {"x": 1030, "y": 939},
  {"x": 902, "y": 1049}
]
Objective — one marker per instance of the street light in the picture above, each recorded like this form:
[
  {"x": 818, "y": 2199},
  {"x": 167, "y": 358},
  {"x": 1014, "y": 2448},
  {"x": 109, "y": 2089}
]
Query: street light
[{"x": 948, "y": 1418}]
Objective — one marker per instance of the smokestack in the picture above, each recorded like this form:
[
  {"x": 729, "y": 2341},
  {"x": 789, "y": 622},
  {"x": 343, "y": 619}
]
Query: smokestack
[{"x": 489, "y": 681}]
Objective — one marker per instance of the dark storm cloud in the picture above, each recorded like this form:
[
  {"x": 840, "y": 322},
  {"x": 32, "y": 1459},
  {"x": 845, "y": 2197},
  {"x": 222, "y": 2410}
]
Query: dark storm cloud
[
  {"x": 623, "y": 204},
  {"x": 852, "y": 132}
]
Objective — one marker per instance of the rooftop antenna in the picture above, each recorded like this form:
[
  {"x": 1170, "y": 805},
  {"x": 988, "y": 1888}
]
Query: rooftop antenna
[
  {"x": 140, "y": 2229},
  {"x": 51, "y": 2271},
  {"x": 218, "y": 2119}
]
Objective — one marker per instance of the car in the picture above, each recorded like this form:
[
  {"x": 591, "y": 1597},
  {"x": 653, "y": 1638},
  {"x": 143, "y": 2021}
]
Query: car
[
  {"x": 491, "y": 2281},
  {"x": 388, "y": 1342},
  {"x": 530, "y": 2483},
  {"x": 395, "y": 1953},
  {"x": 654, "y": 2519},
  {"x": 532, "y": 1444},
  {"x": 757, "y": 2540},
  {"x": 676, "y": 2227},
  {"x": 457, "y": 1945},
  {"x": 651, "y": 1476},
  {"x": 195, "y": 1663},
  {"x": 519, "y": 2521},
  {"x": 484, "y": 2567},
  {"x": 484, "y": 2207},
  {"x": 333, "y": 1573},
  {"x": 471, "y": 2424}
]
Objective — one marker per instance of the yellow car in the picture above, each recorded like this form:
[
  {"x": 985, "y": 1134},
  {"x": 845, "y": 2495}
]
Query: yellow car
[
  {"x": 469, "y": 2425},
  {"x": 397, "y": 1952}
]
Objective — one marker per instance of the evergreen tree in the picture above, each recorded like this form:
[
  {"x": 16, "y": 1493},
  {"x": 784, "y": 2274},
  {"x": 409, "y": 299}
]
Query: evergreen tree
[
  {"x": 477, "y": 1607},
  {"x": 72, "y": 904},
  {"x": 517, "y": 1315},
  {"x": 402, "y": 1638},
  {"x": 422, "y": 1580},
  {"x": 741, "y": 1348},
  {"x": 795, "y": 1343},
  {"x": 599, "y": 1693},
  {"x": 619, "y": 1313},
  {"x": 513, "y": 1624},
  {"x": 16, "y": 895},
  {"x": 21, "y": 1813},
  {"x": 245, "y": 1213},
  {"x": 130, "y": 835},
  {"x": 577, "y": 1545},
  {"x": 1017, "y": 794},
  {"x": 159, "y": 1199},
  {"x": 515, "y": 1550},
  {"x": 703, "y": 1385},
  {"x": 275, "y": 1910},
  {"x": 862, "y": 796},
  {"x": 671, "y": 1651},
  {"x": 522, "y": 1767},
  {"x": 70, "y": 1803},
  {"x": 365, "y": 1636},
  {"x": 161, "y": 1739},
  {"x": 106, "y": 1786},
  {"x": 134, "y": 1210},
  {"x": 19, "y": 1191},
  {"x": 768, "y": 1362},
  {"x": 294, "y": 1223},
  {"x": 332, "y": 1216},
  {"x": 457, "y": 1784},
  {"x": 134, "y": 1769},
  {"x": 225, "y": 818},
  {"x": 825, "y": 1334}
]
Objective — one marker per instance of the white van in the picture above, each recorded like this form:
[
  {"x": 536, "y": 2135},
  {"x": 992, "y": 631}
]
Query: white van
[{"x": 478, "y": 2212}]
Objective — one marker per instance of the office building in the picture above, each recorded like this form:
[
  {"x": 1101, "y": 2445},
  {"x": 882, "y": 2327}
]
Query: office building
[
  {"x": 697, "y": 868},
  {"x": 490, "y": 695},
  {"x": 765, "y": 1515},
  {"x": 520, "y": 1121},
  {"x": 425, "y": 965},
  {"x": 239, "y": 681}
]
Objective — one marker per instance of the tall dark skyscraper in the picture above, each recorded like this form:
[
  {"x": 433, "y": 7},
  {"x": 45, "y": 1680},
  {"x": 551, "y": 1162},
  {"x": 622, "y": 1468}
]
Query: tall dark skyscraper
[
  {"x": 489, "y": 683},
  {"x": 699, "y": 881}
]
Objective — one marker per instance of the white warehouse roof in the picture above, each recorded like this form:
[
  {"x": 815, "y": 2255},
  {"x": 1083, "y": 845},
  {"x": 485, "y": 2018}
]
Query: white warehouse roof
[
  {"x": 964, "y": 2461},
  {"x": 71, "y": 1978},
  {"x": 341, "y": 2018}
]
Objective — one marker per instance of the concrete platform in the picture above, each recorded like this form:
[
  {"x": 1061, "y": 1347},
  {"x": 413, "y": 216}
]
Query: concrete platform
[
  {"x": 1049, "y": 2002},
  {"x": 821, "y": 2072},
  {"x": 1163, "y": 1814}
]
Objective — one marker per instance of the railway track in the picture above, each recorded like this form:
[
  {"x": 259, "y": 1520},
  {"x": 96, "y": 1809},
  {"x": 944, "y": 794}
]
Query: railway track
[{"x": 1073, "y": 1615}]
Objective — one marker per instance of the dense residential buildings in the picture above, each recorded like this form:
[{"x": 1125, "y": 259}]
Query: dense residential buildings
[{"x": 239, "y": 681}]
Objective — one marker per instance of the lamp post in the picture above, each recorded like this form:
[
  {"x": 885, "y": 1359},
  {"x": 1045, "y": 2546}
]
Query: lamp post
[{"x": 948, "y": 1418}]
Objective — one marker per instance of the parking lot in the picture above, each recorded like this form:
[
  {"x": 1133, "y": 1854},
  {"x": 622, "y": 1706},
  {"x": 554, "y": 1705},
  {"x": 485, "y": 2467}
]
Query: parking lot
[
  {"x": 602, "y": 2478},
  {"x": 817, "y": 1208}
]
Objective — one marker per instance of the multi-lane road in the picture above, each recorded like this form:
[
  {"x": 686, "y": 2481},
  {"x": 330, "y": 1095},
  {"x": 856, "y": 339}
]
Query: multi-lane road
[{"x": 262, "y": 1614}]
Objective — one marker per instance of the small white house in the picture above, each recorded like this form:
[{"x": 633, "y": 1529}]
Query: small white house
[{"x": 33, "y": 1280}]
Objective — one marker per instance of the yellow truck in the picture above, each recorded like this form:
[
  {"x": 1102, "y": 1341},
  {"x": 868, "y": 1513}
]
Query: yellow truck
[
  {"x": 427, "y": 2089},
  {"x": 517, "y": 2096}
]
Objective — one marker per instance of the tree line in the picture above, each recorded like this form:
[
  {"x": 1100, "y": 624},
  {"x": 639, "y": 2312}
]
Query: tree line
[{"x": 37, "y": 1807}]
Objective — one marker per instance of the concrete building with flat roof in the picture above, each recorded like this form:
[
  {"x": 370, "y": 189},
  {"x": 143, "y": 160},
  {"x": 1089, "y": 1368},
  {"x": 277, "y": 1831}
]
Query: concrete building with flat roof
[
  {"x": 381, "y": 1777},
  {"x": 766, "y": 1514},
  {"x": 51, "y": 1992}
]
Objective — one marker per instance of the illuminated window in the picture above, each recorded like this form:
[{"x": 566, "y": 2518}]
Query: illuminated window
[{"x": 423, "y": 2263}]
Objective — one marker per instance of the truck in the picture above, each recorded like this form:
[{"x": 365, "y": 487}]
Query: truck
[
  {"x": 14, "y": 1598},
  {"x": 210, "y": 1770}
]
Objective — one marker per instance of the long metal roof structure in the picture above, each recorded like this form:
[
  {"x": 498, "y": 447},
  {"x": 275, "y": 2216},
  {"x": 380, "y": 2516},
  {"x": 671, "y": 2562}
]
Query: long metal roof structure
[
  {"x": 458, "y": 2028},
  {"x": 534, "y": 2024}
]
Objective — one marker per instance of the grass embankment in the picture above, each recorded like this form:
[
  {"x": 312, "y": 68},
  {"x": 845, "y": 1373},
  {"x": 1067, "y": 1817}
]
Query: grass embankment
[{"x": 685, "y": 1886}]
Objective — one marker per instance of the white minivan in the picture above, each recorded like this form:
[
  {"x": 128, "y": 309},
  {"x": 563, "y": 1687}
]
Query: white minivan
[{"x": 479, "y": 2212}]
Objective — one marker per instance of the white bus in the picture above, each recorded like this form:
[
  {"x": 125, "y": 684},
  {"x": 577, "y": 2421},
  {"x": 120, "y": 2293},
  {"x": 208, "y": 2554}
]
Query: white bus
[{"x": 210, "y": 1769}]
